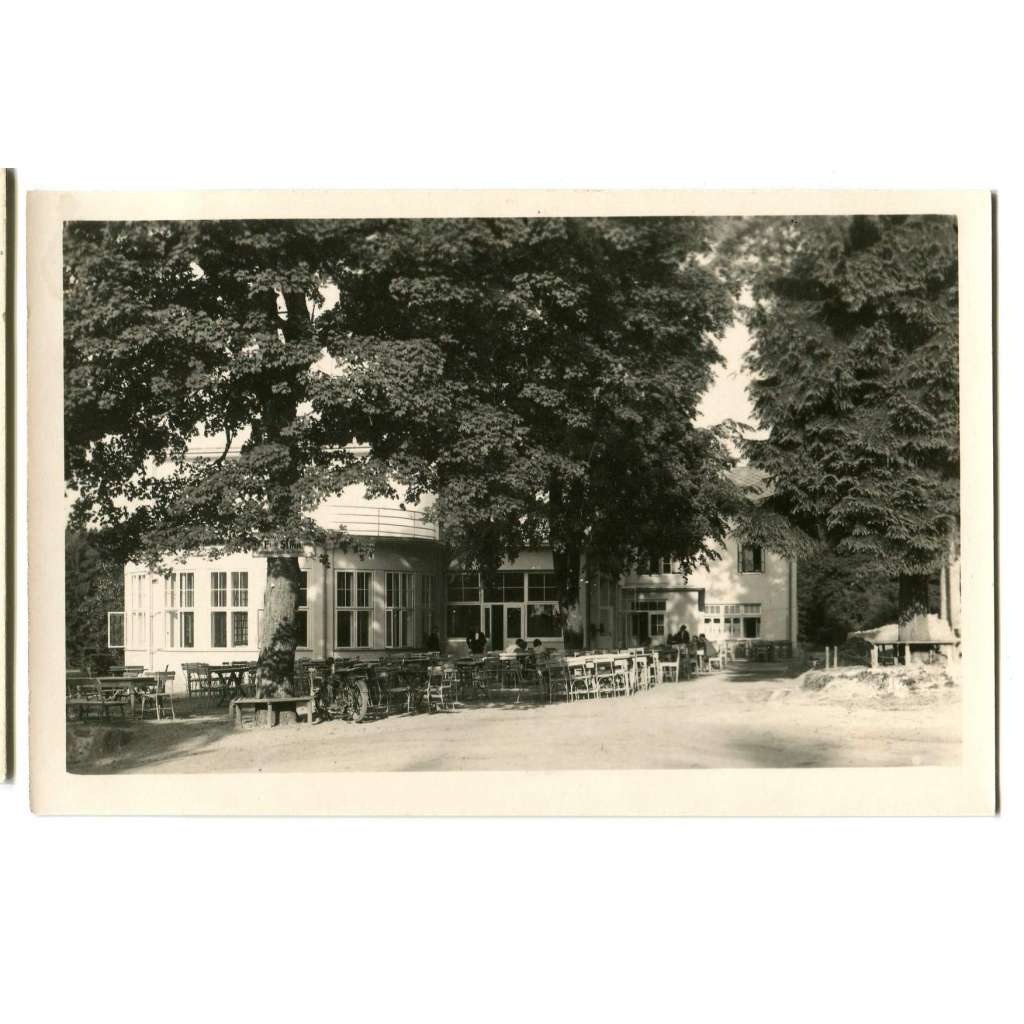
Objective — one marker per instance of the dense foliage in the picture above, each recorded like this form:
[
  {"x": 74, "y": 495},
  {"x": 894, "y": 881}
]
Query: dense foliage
[
  {"x": 855, "y": 378},
  {"x": 539, "y": 376},
  {"x": 93, "y": 586}
]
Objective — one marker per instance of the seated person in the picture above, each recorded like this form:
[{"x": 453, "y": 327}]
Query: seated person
[
  {"x": 433, "y": 642},
  {"x": 477, "y": 642},
  {"x": 538, "y": 650}
]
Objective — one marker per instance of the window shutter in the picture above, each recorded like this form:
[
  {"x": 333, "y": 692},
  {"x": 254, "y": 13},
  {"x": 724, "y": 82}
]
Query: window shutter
[{"x": 115, "y": 629}]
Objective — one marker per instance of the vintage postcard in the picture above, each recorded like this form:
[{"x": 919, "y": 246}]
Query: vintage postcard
[{"x": 521, "y": 503}]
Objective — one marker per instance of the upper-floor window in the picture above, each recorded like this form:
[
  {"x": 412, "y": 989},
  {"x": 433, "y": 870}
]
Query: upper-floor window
[
  {"x": 751, "y": 558},
  {"x": 660, "y": 567}
]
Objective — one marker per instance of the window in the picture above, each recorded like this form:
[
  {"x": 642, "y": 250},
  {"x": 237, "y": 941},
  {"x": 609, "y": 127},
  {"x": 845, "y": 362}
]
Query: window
[
  {"x": 179, "y": 599},
  {"x": 540, "y": 621},
  {"x": 186, "y": 602},
  {"x": 463, "y": 619},
  {"x": 240, "y": 612},
  {"x": 218, "y": 629},
  {"x": 115, "y": 629},
  {"x": 514, "y": 623},
  {"x": 218, "y": 619},
  {"x": 660, "y": 567},
  {"x": 728, "y": 621},
  {"x": 751, "y": 558},
  {"x": 352, "y": 616},
  {"x": 302, "y": 611},
  {"x": 399, "y": 596},
  {"x": 463, "y": 586},
  {"x": 426, "y": 606},
  {"x": 171, "y": 625},
  {"x": 542, "y": 586},
  {"x": 137, "y": 616},
  {"x": 647, "y": 619},
  {"x": 506, "y": 589}
]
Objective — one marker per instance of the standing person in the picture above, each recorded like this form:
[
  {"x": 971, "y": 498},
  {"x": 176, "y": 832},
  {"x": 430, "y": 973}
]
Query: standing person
[
  {"x": 684, "y": 637},
  {"x": 477, "y": 642}
]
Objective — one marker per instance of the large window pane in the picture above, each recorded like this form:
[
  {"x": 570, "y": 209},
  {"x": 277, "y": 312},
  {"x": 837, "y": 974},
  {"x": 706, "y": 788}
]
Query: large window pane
[
  {"x": 344, "y": 591},
  {"x": 463, "y": 586},
  {"x": 219, "y": 629},
  {"x": 344, "y": 633},
  {"x": 542, "y": 586},
  {"x": 239, "y": 629},
  {"x": 540, "y": 621},
  {"x": 188, "y": 629},
  {"x": 362, "y": 629},
  {"x": 463, "y": 619},
  {"x": 239, "y": 590}
]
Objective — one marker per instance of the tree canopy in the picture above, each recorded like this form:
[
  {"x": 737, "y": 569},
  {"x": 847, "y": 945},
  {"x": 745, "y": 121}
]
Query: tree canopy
[
  {"x": 854, "y": 361},
  {"x": 538, "y": 376}
]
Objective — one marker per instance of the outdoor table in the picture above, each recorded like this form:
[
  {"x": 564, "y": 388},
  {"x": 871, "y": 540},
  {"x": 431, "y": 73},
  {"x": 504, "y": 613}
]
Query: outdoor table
[
  {"x": 273, "y": 705},
  {"x": 98, "y": 693},
  {"x": 230, "y": 678}
]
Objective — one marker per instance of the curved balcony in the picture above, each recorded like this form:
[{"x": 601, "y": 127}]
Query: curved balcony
[{"x": 372, "y": 521}]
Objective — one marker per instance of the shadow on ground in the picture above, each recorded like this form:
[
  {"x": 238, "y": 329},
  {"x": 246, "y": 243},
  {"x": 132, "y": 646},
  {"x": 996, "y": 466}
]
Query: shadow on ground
[{"x": 99, "y": 748}]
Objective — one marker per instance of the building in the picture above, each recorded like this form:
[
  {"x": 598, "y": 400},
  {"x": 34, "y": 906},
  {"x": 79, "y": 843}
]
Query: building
[{"x": 352, "y": 605}]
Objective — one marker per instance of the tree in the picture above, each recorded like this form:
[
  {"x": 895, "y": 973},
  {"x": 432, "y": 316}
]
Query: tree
[
  {"x": 175, "y": 332},
  {"x": 538, "y": 376},
  {"x": 93, "y": 586},
  {"x": 855, "y": 377}
]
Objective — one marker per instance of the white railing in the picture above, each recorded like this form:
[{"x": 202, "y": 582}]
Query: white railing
[{"x": 383, "y": 522}]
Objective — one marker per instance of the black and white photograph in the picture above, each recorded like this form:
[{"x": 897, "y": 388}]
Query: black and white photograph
[{"x": 539, "y": 493}]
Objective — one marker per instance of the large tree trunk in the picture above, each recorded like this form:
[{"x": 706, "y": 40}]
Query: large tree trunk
[
  {"x": 913, "y": 607},
  {"x": 566, "y": 562},
  {"x": 277, "y": 645}
]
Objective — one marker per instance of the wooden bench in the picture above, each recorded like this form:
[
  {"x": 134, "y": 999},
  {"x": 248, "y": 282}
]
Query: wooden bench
[{"x": 273, "y": 706}]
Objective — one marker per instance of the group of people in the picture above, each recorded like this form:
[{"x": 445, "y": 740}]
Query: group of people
[
  {"x": 703, "y": 645},
  {"x": 477, "y": 642}
]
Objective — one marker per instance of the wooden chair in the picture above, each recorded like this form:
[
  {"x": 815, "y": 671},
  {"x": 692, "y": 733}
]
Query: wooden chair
[
  {"x": 555, "y": 672},
  {"x": 604, "y": 677},
  {"x": 713, "y": 658},
  {"x": 442, "y": 687},
  {"x": 156, "y": 691},
  {"x": 670, "y": 667},
  {"x": 623, "y": 675},
  {"x": 197, "y": 679},
  {"x": 580, "y": 678}
]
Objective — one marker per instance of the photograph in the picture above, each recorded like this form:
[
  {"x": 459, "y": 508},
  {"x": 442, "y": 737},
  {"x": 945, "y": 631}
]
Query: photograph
[{"x": 543, "y": 493}]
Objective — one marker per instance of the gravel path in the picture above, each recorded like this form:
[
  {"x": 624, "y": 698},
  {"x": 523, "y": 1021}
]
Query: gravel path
[{"x": 740, "y": 719}]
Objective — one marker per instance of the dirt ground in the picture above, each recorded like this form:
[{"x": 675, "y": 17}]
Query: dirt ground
[{"x": 748, "y": 717}]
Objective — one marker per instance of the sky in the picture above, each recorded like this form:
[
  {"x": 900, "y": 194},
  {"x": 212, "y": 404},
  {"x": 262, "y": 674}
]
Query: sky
[{"x": 727, "y": 397}]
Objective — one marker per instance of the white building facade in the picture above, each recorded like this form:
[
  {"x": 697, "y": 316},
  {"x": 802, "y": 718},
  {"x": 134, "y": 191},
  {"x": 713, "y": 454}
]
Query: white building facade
[{"x": 365, "y": 604}]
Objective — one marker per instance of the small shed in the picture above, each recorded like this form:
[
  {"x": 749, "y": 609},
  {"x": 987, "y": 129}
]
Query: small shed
[{"x": 929, "y": 633}]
